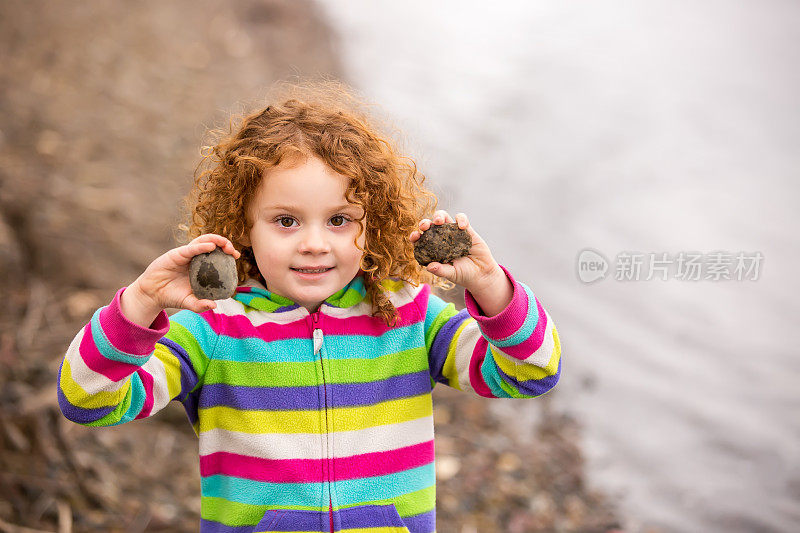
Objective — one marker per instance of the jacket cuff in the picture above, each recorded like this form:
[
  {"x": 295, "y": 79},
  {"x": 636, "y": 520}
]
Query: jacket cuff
[
  {"x": 506, "y": 322},
  {"x": 127, "y": 336}
]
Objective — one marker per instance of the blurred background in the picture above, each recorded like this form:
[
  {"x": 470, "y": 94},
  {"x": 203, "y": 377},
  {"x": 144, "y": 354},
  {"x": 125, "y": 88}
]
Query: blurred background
[{"x": 653, "y": 127}]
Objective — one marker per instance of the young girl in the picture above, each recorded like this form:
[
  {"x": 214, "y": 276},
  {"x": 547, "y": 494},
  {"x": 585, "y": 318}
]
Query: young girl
[{"x": 310, "y": 389}]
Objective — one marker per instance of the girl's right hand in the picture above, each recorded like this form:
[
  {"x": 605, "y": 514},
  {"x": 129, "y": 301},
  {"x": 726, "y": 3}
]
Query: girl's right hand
[{"x": 165, "y": 283}]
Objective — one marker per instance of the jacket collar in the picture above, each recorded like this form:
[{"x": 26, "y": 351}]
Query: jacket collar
[{"x": 256, "y": 297}]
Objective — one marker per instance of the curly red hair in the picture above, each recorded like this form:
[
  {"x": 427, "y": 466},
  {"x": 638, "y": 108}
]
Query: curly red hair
[{"x": 329, "y": 121}]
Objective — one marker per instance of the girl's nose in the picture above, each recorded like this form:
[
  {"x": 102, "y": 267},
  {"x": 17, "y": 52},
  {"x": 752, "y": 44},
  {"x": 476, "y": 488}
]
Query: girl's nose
[{"x": 314, "y": 241}]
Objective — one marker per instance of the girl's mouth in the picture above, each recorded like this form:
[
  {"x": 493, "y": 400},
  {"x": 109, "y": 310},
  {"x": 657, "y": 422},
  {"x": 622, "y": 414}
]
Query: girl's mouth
[{"x": 312, "y": 270}]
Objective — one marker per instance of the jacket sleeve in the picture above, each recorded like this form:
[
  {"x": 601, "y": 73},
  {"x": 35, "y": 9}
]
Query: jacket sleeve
[
  {"x": 515, "y": 354},
  {"x": 115, "y": 371}
]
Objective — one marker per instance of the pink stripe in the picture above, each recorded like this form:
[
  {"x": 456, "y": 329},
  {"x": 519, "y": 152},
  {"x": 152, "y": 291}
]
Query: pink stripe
[
  {"x": 126, "y": 336},
  {"x": 113, "y": 370},
  {"x": 147, "y": 382},
  {"x": 509, "y": 319},
  {"x": 311, "y": 470},
  {"x": 527, "y": 347},
  {"x": 475, "y": 376},
  {"x": 371, "y": 325},
  {"x": 239, "y": 326}
]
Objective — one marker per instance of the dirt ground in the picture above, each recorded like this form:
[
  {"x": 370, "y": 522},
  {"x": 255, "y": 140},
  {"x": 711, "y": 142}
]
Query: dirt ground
[{"x": 104, "y": 107}]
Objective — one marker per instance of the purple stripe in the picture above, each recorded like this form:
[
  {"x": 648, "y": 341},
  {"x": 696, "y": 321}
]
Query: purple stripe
[
  {"x": 363, "y": 516},
  {"x": 441, "y": 344},
  {"x": 532, "y": 387},
  {"x": 370, "y": 516},
  {"x": 210, "y": 526},
  {"x": 188, "y": 375},
  {"x": 307, "y": 398},
  {"x": 290, "y": 520},
  {"x": 79, "y": 414},
  {"x": 350, "y": 518},
  {"x": 190, "y": 404},
  {"x": 421, "y": 523}
]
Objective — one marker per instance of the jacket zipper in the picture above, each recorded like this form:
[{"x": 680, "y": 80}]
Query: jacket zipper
[{"x": 318, "y": 337}]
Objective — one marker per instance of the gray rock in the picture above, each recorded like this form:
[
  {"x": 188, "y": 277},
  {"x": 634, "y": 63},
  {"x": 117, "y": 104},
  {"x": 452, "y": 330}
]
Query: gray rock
[{"x": 213, "y": 275}]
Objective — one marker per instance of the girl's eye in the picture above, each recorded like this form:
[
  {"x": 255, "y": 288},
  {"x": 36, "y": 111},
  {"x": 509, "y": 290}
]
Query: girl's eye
[{"x": 286, "y": 221}]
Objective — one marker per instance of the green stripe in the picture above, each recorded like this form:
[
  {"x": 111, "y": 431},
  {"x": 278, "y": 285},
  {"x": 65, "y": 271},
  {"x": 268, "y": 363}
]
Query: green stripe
[
  {"x": 115, "y": 417},
  {"x": 305, "y": 374},
  {"x": 183, "y": 336},
  {"x": 231, "y": 513},
  {"x": 420, "y": 501},
  {"x": 441, "y": 319}
]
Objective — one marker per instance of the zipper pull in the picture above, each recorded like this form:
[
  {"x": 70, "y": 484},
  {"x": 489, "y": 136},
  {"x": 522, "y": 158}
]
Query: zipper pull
[{"x": 317, "y": 340}]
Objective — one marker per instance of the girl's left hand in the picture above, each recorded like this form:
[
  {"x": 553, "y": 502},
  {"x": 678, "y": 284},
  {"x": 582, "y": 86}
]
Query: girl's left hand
[{"x": 475, "y": 272}]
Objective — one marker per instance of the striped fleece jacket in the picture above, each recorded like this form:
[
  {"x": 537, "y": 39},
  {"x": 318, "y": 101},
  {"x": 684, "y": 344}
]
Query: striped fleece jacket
[{"x": 310, "y": 422}]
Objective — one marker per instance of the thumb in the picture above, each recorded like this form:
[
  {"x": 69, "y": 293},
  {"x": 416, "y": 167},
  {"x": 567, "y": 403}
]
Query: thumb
[
  {"x": 442, "y": 270},
  {"x": 192, "y": 303}
]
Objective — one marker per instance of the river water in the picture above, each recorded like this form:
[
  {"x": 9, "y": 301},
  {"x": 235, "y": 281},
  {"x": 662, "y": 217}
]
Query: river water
[{"x": 627, "y": 127}]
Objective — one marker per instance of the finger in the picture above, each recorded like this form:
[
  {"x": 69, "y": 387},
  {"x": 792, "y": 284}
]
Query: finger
[
  {"x": 205, "y": 237},
  {"x": 227, "y": 246},
  {"x": 224, "y": 244},
  {"x": 425, "y": 224},
  {"x": 462, "y": 220},
  {"x": 190, "y": 250},
  {"x": 202, "y": 247},
  {"x": 415, "y": 235},
  {"x": 230, "y": 249},
  {"x": 441, "y": 216},
  {"x": 442, "y": 270},
  {"x": 198, "y": 306}
]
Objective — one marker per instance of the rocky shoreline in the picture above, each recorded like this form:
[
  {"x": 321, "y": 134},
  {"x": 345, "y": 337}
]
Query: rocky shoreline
[{"x": 103, "y": 106}]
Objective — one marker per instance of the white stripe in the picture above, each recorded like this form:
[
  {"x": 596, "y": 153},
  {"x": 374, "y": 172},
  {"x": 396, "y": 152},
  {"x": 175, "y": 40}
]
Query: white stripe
[
  {"x": 361, "y": 308},
  {"x": 405, "y": 295},
  {"x": 89, "y": 380},
  {"x": 155, "y": 367},
  {"x": 465, "y": 345},
  {"x": 309, "y": 445},
  {"x": 400, "y": 298},
  {"x": 232, "y": 308}
]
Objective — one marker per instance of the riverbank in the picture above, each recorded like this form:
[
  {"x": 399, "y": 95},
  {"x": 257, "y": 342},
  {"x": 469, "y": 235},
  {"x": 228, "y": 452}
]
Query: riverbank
[{"x": 104, "y": 108}]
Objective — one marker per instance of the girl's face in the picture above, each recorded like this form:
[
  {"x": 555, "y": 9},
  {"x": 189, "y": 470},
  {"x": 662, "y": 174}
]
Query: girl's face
[{"x": 302, "y": 222}]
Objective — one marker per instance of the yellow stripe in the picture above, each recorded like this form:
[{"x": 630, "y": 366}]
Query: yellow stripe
[
  {"x": 77, "y": 396},
  {"x": 449, "y": 369},
  {"x": 392, "y": 285},
  {"x": 525, "y": 372},
  {"x": 345, "y": 418},
  {"x": 172, "y": 369}
]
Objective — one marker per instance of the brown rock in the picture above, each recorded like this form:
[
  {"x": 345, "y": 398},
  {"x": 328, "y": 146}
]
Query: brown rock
[
  {"x": 442, "y": 244},
  {"x": 213, "y": 275}
]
